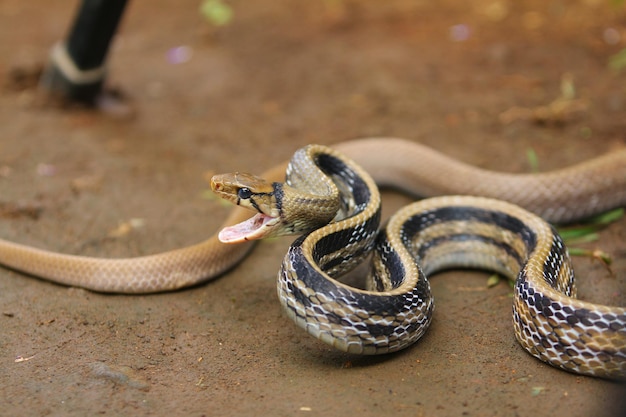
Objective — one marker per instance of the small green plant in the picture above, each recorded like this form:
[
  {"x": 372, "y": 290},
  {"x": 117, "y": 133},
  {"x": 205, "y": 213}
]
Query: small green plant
[
  {"x": 617, "y": 62},
  {"x": 533, "y": 160},
  {"x": 216, "y": 12},
  {"x": 588, "y": 232}
]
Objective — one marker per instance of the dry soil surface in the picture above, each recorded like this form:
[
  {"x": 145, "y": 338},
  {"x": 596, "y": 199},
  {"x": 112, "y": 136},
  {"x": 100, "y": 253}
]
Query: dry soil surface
[{"x": 476, "y": 80}]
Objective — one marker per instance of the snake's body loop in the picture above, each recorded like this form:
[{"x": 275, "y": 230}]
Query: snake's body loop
[
  {"x": 439, "y": 233},
  {"x": 436, "y": 234}
]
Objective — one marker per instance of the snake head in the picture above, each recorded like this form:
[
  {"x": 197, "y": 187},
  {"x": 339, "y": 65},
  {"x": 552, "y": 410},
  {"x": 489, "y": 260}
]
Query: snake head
[{"x": 254, "y": 193}]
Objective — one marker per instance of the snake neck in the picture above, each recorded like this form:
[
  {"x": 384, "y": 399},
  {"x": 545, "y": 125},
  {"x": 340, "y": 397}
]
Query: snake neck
[{"x": 303, "y": 211}]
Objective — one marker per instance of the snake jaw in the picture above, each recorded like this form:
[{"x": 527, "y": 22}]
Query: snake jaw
[
  {"x": 254, "y": 193},
  {"x": 259, "y": 226}
]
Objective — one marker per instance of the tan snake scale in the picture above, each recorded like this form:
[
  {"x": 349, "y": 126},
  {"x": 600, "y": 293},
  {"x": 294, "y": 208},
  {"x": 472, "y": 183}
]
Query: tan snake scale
[{"x": 560, "y": 196}]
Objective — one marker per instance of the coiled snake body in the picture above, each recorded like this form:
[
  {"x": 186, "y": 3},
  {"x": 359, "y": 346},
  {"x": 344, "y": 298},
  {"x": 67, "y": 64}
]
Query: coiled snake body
[{"x": 439, "y": 233}]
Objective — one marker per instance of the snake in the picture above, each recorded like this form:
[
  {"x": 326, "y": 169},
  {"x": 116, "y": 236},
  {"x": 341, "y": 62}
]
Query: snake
[{"x": 472, "y": 218}]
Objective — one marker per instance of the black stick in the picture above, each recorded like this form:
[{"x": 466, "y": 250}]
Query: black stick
[{"x": 76, "y": 70}]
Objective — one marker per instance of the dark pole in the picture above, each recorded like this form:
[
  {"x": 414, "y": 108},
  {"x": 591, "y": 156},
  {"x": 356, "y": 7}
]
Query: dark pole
[{"x": 76, "y": 70}]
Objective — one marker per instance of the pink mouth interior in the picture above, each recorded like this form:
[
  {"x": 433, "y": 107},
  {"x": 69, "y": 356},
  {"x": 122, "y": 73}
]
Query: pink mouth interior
[{"x": 256, "y": 227}]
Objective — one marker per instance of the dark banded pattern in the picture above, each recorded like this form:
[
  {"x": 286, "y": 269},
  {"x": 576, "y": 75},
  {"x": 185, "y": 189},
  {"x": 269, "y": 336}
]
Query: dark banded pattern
[{"x": 436, "y": 234}]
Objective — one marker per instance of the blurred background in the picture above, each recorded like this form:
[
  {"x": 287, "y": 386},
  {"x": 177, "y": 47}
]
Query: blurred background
[{"x": 194, "y": 88}]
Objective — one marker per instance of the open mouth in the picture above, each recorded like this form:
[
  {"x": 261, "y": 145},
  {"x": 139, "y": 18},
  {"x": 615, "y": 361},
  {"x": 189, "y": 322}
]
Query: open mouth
[{"x": 258, "y": 226}]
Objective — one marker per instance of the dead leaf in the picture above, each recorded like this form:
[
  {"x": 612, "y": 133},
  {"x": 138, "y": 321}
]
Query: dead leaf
[{"x": 125, "y": 228}]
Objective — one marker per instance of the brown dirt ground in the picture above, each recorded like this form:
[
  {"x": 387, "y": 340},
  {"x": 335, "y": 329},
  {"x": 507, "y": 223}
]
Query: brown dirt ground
[{"x": 283, "y": 74}]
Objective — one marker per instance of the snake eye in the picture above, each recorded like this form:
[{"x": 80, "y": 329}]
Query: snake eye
[{"x": 244, "y": 193}]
